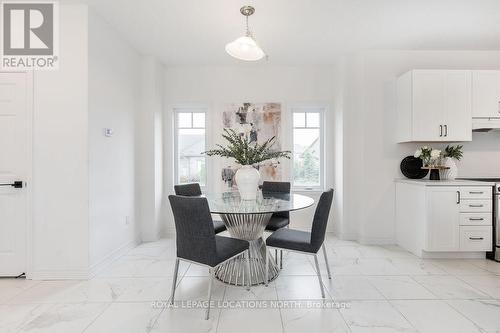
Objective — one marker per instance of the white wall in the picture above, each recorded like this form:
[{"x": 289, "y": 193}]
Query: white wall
[
  {"x": 371, "y": 154},
  {"x": 214, "y": 87},
  {"x": 335, "y": 158},
  {"x": 83, "y": 182},
  {"x": 113, "y": 101},
  {"x": 149, "y": 143},
  {"x": 60, "y": 152},
  {"x": 351, "y": 157}
]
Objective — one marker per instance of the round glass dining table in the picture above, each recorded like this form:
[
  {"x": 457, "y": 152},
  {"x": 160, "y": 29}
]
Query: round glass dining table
[{"x": 247, "y": 219}]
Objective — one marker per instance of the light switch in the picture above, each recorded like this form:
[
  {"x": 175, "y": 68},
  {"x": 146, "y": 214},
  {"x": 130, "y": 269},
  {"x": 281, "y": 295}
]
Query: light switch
[{"x": 108, "y": 132}]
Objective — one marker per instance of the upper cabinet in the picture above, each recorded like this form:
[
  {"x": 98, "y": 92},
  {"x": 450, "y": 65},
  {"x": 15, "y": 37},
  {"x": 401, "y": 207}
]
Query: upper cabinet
[
  {"x": 486, "y": 94},
  {"x": 434, "y": 105}
]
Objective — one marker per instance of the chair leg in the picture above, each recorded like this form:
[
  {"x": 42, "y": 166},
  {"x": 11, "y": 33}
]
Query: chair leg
[
  {"x": 266, "y": 268},
  {"x": 174, "y": 281},
  {"x": 209, "y": 292},
  {"x": 318, "y": 272},
  {"x": 326, "y": 262},
  {"x": 281, "y": 252}
]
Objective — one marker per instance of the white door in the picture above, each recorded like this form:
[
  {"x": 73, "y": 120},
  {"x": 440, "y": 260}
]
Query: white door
[
  {"x": 443, "y": 221},
  {"x": 486, "y": 94},
  {"x": 15, "y": 165},
  {"x": 457, "y": 112},
  {"x": 428, "y": 105}
]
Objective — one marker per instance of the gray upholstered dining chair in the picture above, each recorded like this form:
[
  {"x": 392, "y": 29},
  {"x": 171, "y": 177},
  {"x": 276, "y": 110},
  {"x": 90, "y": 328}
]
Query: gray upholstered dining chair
[
  {"x": 194, "y": 190},
  {"x": 197, "y": 243},
  {"x": 303, "y": 241},
  {"x": 281, "y": 219}
]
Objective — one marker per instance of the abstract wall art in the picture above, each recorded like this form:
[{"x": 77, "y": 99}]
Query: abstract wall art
[{"x": 262, "y": 121}]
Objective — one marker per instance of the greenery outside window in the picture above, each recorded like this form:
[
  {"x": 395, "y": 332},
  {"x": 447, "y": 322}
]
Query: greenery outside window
[{"x": 308, "y": 148}]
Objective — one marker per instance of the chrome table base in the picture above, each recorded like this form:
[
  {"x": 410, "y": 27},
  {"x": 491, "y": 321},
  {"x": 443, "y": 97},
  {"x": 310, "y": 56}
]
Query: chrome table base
[{"x": 249, "y": 227}]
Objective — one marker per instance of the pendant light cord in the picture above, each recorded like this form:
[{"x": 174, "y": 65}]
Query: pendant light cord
[{"x": 249, "y": 34}]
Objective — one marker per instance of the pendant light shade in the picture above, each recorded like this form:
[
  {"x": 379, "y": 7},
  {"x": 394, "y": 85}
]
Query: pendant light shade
[{"x": 245, "y": 47}]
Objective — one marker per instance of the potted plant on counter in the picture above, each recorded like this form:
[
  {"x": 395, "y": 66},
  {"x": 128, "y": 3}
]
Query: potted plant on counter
[
  {"x": 430, "y": 160},
  {"x": 249, "y": 154},
  {"x": 450, "y": 154},
  {"x": 428, "y": 155}
]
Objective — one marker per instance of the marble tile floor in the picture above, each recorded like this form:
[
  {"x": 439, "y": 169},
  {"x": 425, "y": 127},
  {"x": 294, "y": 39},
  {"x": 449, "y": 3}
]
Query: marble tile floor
[{"x": 374, "y": 289}]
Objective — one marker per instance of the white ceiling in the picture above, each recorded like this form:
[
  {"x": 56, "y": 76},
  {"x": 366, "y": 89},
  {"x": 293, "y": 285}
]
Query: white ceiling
[{"x": 194, "y": 32}]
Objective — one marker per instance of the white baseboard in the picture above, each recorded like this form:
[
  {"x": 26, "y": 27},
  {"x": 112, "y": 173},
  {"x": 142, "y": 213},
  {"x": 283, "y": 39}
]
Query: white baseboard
[
  {"x": 377, "y": 241},
  {"x": 168, "y": 232},
  {"x": 453, "y": 255},
  {"x": 110, "y": 258},
  {"x": 332, "y": 234},
  {"x": 82, "y": 274},
  {"x": 348, "y": 236},
  {"x": 59, "y": 275}
]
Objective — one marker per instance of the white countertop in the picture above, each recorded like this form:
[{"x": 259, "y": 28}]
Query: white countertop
[{"x": 457, "y": 182}]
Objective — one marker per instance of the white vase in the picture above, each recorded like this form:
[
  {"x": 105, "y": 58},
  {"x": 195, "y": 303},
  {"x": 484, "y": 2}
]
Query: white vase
[
  {"x": 247, "y": 179},
  {"x": 452, "y": 172}
]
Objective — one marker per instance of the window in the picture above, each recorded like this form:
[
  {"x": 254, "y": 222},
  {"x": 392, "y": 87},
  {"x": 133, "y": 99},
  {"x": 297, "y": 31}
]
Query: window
[
  {"x": 190, "y": 164},
  {"x": 307, "y": 148}
]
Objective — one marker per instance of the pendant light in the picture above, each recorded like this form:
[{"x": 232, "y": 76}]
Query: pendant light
[{"x": 245, "y": 47}]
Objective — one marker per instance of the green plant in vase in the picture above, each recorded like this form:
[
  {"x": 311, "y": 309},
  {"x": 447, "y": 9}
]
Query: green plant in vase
[
  {"x": 454, "y": 152},
  {"x": 450, "y": 155},
  {"x": 245, "y": 152},
  {"x": 428, "y": 155},
  {"x": 249, "y": 155}
]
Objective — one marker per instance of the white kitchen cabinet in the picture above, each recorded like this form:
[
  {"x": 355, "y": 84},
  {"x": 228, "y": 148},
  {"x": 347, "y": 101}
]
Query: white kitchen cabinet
[
  {"x": 438, "y": 219},
  {"x": 471, "y": 192},
  {"x": 476, "y": 206},
  {"x": 476, "y": 238},
  {"x": 476, "y": 219},
  {"x": 443, "y": 227},
  {"x": 434, "y": 105},
  {"x": 486, "y": 94}
]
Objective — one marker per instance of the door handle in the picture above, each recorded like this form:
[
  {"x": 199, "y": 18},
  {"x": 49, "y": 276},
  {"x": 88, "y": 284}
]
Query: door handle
[
  {"x": 440, "y": 130},
  {"x": 445, "y": 130},
  {"x": 458, "y": 197},
  {"x": 16, "y": 184}
]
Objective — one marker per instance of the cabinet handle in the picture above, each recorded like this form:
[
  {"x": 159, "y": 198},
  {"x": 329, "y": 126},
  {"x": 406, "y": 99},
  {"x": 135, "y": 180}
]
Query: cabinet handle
[
  {"x": 445, "y": 130},
  {"x": 15, "y": 184},
  {"x": 476, "y": 219},
  {"x": 440, "y": 130},
  {"x": 458, "y": 197},
  {"x": 476, "y": 192},
  {"x": 476, "y": 238},
  {"x": 476, "y": 206}
]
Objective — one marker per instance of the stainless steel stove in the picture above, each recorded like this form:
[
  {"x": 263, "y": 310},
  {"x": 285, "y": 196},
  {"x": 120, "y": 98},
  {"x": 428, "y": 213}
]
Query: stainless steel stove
[{"x": 495, "y": 254}]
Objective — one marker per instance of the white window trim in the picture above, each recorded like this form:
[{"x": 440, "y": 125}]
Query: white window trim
[
  {"x": 188, "y": 109},
  {"x": 321, "y": 109}
]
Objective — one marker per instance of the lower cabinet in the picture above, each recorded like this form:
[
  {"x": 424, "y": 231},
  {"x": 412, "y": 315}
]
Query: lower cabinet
[
  {"x": 436, "y": 219},
  {"x": 475, "y": 238},
  {"x": 476, "y": 219},
  {"x": 443, "y": 219}
]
